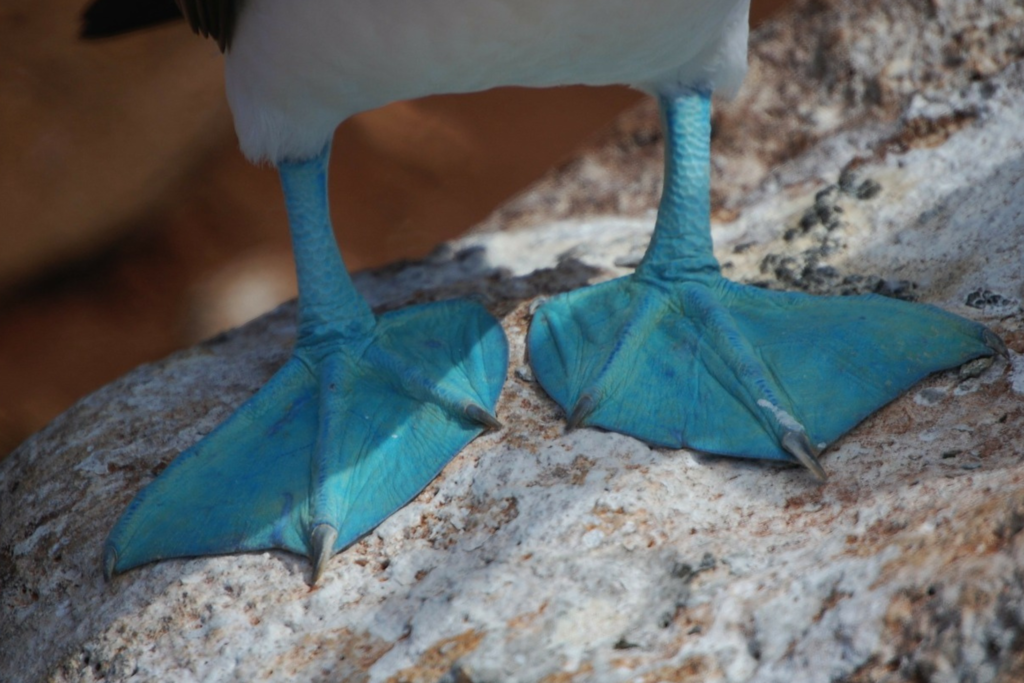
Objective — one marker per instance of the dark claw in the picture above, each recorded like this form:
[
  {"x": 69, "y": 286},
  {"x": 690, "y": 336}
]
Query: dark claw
[
  {"x": 584, "y": 407},
  {"x": 799, "y": 446},
  {"x": 478, "y": 414},
  {"x": 109, "y": 562},
  {"x": 996, "y": 344},
  {"x": 322, "y": 540}
]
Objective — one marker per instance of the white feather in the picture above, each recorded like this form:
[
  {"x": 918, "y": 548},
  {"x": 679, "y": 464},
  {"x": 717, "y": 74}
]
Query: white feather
[{"x": 298, "y": 68}]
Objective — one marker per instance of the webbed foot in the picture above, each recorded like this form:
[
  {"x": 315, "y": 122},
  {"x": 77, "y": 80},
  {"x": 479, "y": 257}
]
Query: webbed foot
[
  {"x": 342, "y": 436},
  {"x": 362, "y": 417},
  {"x": 736, "y": 370},
  {"x": 676, "y": 355}
]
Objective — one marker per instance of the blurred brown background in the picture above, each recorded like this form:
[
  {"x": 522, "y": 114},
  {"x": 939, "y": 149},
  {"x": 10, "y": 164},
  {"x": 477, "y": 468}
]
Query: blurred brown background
[{"x": 130, "y": 225}]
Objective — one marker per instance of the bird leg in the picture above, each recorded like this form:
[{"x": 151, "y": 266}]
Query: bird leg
[
  {"x": 359, "y": 420},
  {"x": 676, "y": 355}
]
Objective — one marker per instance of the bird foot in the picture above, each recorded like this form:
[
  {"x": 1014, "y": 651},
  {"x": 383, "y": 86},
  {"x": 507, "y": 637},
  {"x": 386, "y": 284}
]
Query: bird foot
[
  {"x": 735, "y": 370},
  {"x": 345, "y": 433}
]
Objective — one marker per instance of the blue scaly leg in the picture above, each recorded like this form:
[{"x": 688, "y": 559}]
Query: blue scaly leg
[
  {"x": 361, "y": 418},
  {"x": 676, "y": 355}
]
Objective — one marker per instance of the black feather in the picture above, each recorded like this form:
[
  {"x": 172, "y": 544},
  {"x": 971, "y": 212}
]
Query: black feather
[
  {"x": 112, "y": 17},
  {"x": 211, "y": 18}
]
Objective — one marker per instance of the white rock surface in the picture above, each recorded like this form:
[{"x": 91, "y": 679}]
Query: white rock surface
[{"x": 544, "y": 556}]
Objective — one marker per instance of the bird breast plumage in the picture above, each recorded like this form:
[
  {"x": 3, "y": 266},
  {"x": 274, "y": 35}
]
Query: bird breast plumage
[{"x": 297, "y": 69}]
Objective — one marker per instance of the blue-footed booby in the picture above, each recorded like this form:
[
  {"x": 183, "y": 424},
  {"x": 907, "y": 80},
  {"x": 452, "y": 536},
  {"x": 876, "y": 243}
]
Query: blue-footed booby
[{"x": 369, "y": 409}]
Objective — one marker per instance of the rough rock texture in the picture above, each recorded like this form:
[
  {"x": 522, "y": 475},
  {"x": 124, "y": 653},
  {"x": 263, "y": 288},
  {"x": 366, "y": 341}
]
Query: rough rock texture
[{"x": 544, "y": 556}]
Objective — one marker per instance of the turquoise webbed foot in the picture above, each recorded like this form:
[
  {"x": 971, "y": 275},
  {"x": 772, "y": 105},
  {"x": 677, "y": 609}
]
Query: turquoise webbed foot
[
  {"x": 735, "y": 370},
  {"x": 676, "y": 355},
  {"x": 362, "y": 417}
]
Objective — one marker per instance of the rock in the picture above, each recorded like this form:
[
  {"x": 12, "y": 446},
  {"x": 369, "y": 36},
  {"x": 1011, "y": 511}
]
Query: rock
[{"x": 540, "y": 555}]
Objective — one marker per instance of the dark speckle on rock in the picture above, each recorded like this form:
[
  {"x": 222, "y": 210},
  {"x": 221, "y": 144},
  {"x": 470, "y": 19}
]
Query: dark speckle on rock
[
  {"x": 984, "y": 298},
  {"x": 869, "y": 189},
  {"x": 848, "y": 180}
]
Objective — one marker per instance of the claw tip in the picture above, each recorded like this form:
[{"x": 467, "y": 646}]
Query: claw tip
[
  {"x": 322, "y": 542},
  {"x": 799, "y": 446},
  {"x": 994, "y": 342},
  {"x": 478, "y": 414},
  {"x": 584, "y": 407},
  {"x": 109, "y": 562}
]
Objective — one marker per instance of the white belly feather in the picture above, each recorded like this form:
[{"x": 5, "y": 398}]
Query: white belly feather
[{"x": 297, "y": 68}]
